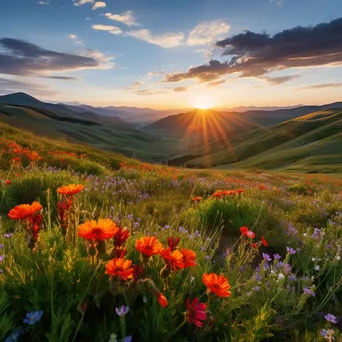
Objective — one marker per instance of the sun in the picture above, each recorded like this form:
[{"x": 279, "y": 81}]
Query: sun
[{"x": 202, "y": 101}]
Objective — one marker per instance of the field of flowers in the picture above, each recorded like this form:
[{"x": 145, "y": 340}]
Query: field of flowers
[{"x": 151, "y": 253}]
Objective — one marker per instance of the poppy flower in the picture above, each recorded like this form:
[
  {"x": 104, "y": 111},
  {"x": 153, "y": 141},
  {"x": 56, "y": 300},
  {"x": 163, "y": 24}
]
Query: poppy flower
[
  {"x": 121, "y": 236},
  {"x": 264, "y": 242},
  {"x": 119, "y": 267},
  {"x": 23, "y": 211},
  {"x": 8, "y": 182},
  {"x": 196, "y": 312},
  {"x": 173, "y": 259},
  {"x": 189, "y": 258},
  {"x": 217, "y": 284},
  {"x": 70, "y": 190},
  {"x": 196, "y": 198},
  {"x": 162, "y": 300},
  {"x": 173, "y": 242},
  {"x": 148, "y": 246},
  {"x": 102, "y": 229}
]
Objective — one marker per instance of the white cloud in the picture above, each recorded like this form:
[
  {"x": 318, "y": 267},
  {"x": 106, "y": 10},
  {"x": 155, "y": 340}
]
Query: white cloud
[
  {"x": 99, "y": 4},
  {"x": 207, "y": 32},
  {"x": 43, "y": 2},
  {"x": 106, "y": 62},
  {"x": 167, "y": 40},
  {"x": 125, "y": 17},
  {"x": 72, "y": 36},
  {"x": 109, "y": 28},
  {"x": 82, "y": 2}
]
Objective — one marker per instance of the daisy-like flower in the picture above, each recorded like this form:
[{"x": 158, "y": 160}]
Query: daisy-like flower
[
  {"x": 100, "y": 230},
  {"x": 148, "y": 246},
  {"x": 70, "y": 190},
  {"x": 23, "y": 211},
  {"x": 174, "y": 259},
  {"x": 189, "y": 258},
  {"x": 119, "y": 267},
  {"x": 196, "y": 312},
  {"x": 33, "y": 317},
  {"x": 218, "y": 285}
]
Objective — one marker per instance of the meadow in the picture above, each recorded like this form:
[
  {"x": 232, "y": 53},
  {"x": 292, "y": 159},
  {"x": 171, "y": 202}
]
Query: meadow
[{"x": 98, "y": 247}]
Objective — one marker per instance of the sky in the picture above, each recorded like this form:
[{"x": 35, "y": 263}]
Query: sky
[{"x": 173, "y": 54}]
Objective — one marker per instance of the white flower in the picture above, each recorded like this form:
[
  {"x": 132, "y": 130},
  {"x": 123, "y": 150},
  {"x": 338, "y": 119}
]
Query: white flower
[
  {"x": 313, "y": 259},
  {"x": 281, "y": 276},
  {"x": 317, "y": 267},
  {"x": 338, "y": 258},
  {"x": 113, "y": 338},
  {"x": 304, "y": 234},
  {"x": 144, "y": 299}
]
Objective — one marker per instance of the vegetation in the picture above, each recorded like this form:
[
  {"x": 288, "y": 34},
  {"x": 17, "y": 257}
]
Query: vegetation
[{"x": 110, "y": 249}]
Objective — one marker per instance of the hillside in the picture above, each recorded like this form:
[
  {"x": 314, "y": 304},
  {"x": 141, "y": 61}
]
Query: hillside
[{"x": 311, "y": 143}]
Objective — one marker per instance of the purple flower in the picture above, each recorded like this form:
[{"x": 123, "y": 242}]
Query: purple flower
[
  {"x": 309, "y": 292},
  {"x": 276, "y": 256},
  {"x": 127, "y": 339},
  {"x": 258, "y": 277},
  {"x": 130, "y": 216},
  {"x": 256, "y": 288},
  {"x": 14, "y": 336},
  {"x": 330, "y": 318},
  {"x": 1, "y": 246},
  {"x": 8, "y": 236},
  {"x": 207, "y": 257},
  {"x": 33, "y": 317},
  {"x": 266, "y": 257},
  {"x": 290, "y": 250},
  {"x": 292, "y": 277},
  {"x": 166, "y": 226},
  {"x": 328, "y": 334},
  {"x": 2, "y": 257},
  {"x": 122, "y": 310}
]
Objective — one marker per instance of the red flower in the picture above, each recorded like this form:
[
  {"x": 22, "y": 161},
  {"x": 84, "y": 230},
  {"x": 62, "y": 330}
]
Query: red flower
[
  {"x": 119, "y": 252},
  {"x": 255, "y": 245},
  {"x": 264, "y": 242},
  {"x": 121, "y": 236},
  {"x": 8, "y": 182},
  {"x": 172, "y": 259},
  {"x": 246, "y": 232},
  {"x": 189, "y": 258},
  {"x": 196, "y": 312},
  {"x": 196, "y": 198},
  {"x": 172, "y": 243},
  {"x": 137, "y": 272},
  {"x": 70, "y": 190},
  {"x": 217, "y": 284},
  {"x": 162, "y": 300}
]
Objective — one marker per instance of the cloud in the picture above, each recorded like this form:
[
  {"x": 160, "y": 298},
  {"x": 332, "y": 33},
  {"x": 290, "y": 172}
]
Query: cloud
[
  {"x": 125, "y": 17},
  {"x": 25, "y": 59},
  {"x": 167, "y": 40},
  {"x": 62, "y": 78},
  {"x": 8, "y": 85},
  {"x": 206, "y": 32},
  {"x": 256, "y": 54},
  {"x": 280, "y": 79},
  {"x": 82, "y": 2},
  {"x": 180, "y": 89},
  {"x": 99, "y": 4},
  {"x": 72, "y": 36},
  {"x": 215, "y": 83},
  {"x": 109, "y": 28},
  {"x": 279, "y": 3},
  {"x": 43, "y": 2},
  {"x": 321, "y": 86}
]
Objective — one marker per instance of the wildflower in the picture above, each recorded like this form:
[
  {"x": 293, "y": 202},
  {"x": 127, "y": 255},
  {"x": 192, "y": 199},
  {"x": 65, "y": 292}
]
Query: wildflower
[
  {"x": 8, "y": 182},
  {"x": 8, "y": 236},
  {"x": 330, "y": 318},
  {"x": 121, "y": 236},
  {"x": 246, "y": 232},
  {"x": 290, "y": 250},
  {"x": 162, "y": 300},
  {"x": 122, "y": 310},
  {"x": 196, "y": 198},
  {"x": 256, "y": 288},
  {"x": 174, "y": 260},
  {"x": 120, "y": 267},
  {"x": 137, "y": 272},
  {"x": 266, "y": 257},
  {"x": 23, "y": 211},
  {"x": 148, "y": 246},
  {"x": 317, "y": 268},
  {"x": 100, "y": 230},
  {"x": 196, "y": 312},
  {"x": 2, "y": 257},
  {"x": 281, "y": 276},
  {"x": 328, "y": 334},
  {"x": 189, "y": 258},
  {"x": 70, "y": 190},
  {"x": 264, "y": 242},
  {"x": 113, "y": 338},
  {"x": 127, "y": 339},
  {"x": 14, "y": 336},
  {"x": 33, "y": 317},
  {"x": 217, "y": 284},
  {"x": 173, "y": 242},
  {"x": 309, "y": 292},
  {"x": 276, "y": 256}
]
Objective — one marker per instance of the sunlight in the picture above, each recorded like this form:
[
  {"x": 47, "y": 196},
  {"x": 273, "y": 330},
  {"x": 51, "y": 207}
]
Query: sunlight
[{"x": 202, "y": 101}]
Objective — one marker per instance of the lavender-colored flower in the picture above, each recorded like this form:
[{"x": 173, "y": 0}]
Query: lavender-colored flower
[
  {"x": 1, "y": 246},
  {"x": 2, "y": 258},
  {"x": 256, "y": 288},
  {"x": 202, "y": 248},
  {"x": 8, "y": 236},
  {"x": 166, "y": 226},
  {"x": 258, "y": 277},
  {"x": 292, "y": 277},
  {"x": 330, "y": 318},
  {"x": 207, "y": 257},
  {"x": 328, "y": 334},
  {"x": 122, "y": 310},
  {"x": 33, "y": 317},
  {"x": 287, "y": 268},
  {"x": 309, "y": 292},
  {"x": 291, "y": 250},
  {"x": 130, "y": 216},
  {"x": 266, "y": 257},
  {"x": 276, "y": 256}
]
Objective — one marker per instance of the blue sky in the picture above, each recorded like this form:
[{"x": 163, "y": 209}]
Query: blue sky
[{"x": 157, "y": 53}]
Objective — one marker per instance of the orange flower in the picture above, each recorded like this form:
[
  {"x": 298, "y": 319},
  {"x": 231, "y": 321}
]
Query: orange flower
[
  {"x": 217, "y": 284},
  {"x": 172, "y": 259},
  {"x": 189, "y": 258},
  {"x": 103, "y": 229},
  {"x": 148, "y": 245},
  {"x": 8, "y": 182},
  {"x": 23, "y": 211},
  {"x": 70, "y": 190},
  {"x": 120, "y": 267},
  {"x": 162, "y": 300},
  {"x": 197, "y": 198}
]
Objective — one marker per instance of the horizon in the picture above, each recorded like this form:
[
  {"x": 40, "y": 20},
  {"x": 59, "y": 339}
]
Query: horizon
[{"x": 218, "y": 55}]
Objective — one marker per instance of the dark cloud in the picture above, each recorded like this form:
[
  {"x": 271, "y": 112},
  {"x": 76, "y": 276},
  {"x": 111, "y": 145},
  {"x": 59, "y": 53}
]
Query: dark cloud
[
  {"x": 11, "y": 85},
  {"x": 18, "y": 57},
  {"x": 63, "y": 78},
  {"x": 320, "y": 86},
  {"x": 179, "y": 89},
  {"x": 256, "y": 54},
  {"x": 280, "y": 79}
]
